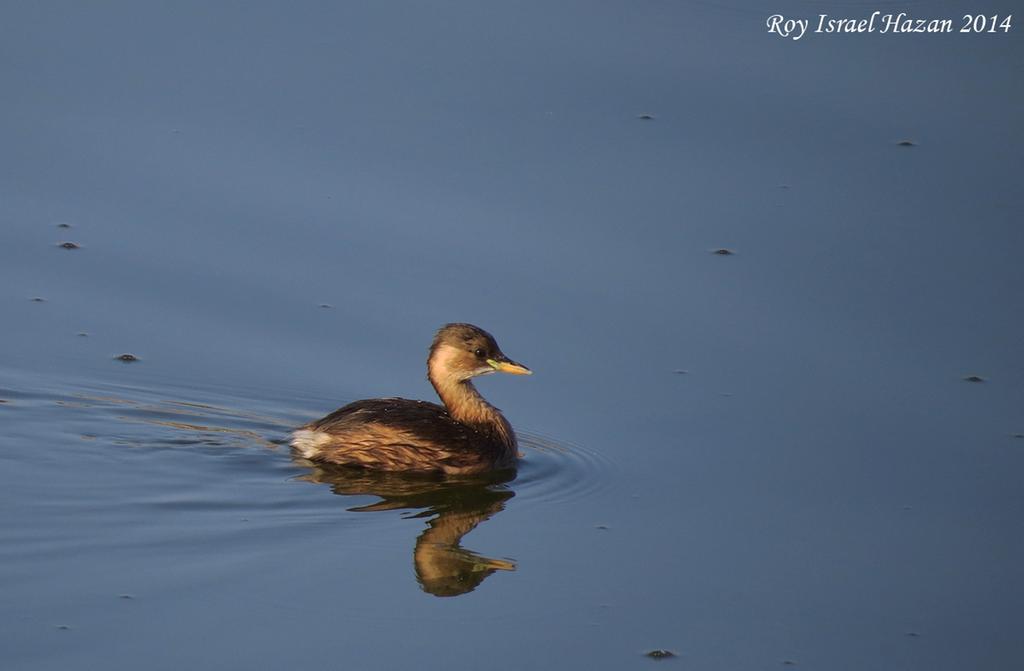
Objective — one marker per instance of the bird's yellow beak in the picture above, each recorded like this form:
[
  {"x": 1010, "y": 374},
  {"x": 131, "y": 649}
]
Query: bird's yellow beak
[{"x": 510, "y": 367}]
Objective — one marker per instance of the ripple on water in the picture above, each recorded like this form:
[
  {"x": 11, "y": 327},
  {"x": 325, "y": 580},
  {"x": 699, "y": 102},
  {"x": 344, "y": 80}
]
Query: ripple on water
[
  {"x": 228, "y": 427},
  {"x": 556, "y": 471},
  {"x": 550, "y": 470}
]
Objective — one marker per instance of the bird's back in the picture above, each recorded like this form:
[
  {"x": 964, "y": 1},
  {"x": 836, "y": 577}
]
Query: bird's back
[{"x": 398, "y": 434}]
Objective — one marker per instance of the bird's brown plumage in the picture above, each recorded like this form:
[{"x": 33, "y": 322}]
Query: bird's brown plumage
[{"x": 467, "y": 435}]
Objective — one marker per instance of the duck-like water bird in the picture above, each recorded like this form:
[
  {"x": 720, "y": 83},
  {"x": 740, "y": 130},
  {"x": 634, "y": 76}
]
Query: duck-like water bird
[{"x": 465, "y": 436}]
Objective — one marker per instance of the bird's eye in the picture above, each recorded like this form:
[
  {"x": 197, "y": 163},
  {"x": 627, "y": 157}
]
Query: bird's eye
[{"x": 479, "y": 352}]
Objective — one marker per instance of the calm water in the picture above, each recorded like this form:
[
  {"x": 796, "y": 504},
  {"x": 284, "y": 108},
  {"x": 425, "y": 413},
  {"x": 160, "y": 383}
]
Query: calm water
[{"x": 750, "y": 459}]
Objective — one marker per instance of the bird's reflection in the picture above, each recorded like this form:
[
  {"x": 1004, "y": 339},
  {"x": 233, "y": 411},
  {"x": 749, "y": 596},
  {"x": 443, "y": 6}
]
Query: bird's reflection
[{"x": 452, "y": 508}]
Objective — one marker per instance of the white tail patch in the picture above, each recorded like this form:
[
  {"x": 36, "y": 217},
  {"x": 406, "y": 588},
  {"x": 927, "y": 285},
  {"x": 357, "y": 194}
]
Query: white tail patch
[{"x": 309, "y": 442}]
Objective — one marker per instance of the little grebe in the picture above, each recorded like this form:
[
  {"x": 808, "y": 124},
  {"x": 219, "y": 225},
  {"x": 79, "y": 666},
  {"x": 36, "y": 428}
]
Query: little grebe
[{"x": 467, "y": 435}]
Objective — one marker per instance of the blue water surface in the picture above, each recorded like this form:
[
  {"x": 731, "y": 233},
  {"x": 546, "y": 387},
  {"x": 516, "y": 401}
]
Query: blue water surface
[{"x": 749, "y": 459}]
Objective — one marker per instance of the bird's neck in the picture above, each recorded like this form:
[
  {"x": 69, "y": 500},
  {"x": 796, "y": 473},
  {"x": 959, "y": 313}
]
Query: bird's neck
[{"x": 467, "y": 406}]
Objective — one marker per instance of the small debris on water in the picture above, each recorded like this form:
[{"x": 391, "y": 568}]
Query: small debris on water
[
  {"x": 82, "y": 334},
  {"x": 1017, "y": 435},
  {"x": 906, "y": 143},
  {"x": 680, "y": 371},
  {"x": 603, "y": 527},
  {"x": 325, "y": 305},
  {"x": 37, "y": 299},
  {"x": 63, "y": 225},
  {"x": 69, "y": 245},
  {"x": 63, "y": 627},
  {"x": 788, "y": 662},
  {"x": 913, "y": 634},
  {"x": 127, "y": 358},
  {"x": 660, "y": 654},
  {"x": 126, "y": 596},
  {"x": 974, "y": 378},
  {"x": 645, "y": 117},
  {"x": 722, "y": 251}
]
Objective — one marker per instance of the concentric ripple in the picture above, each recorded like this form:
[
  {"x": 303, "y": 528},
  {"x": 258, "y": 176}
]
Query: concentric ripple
[{"x": 556, "y": 471}]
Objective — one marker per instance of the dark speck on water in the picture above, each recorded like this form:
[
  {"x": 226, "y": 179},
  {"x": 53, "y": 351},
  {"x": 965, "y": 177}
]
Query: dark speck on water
[
  {"x": 63, "y": 225},
  {"x": 69, "y": 245},
  {"x": 646, "y": 117},
  {"x": 325, "y": 305},
  {"x": 722, "y": 251},
  {"x": 907, "y": 143},
  {"x": 127, "y": 358},
  {"x": 913, "y": 634},
  {"x": 63, "y": 627},
  {"x": 788, "y": 662},
  {"x": 37, "y": 299},
  {"x": 1018, "y": 435},
  {"x": 974, "y": 378},
  {"x": 680, "y": 371},
  {"x": 83, "y": 334},
  {"x": 660, "y": 654},
  {"x": 126, "y": 596}
]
